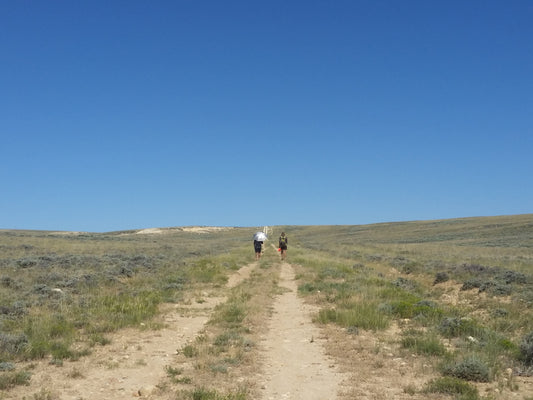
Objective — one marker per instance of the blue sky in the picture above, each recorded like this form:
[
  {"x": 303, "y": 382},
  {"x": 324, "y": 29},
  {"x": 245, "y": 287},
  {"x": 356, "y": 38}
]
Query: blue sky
[{"x": 134, "y": 114}]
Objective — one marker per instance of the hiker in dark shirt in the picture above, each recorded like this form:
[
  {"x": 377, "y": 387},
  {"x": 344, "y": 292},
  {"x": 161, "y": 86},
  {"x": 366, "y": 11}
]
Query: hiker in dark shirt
[
  {"x": 258, "y": 247},
  {"x": 283, "y": 242}
]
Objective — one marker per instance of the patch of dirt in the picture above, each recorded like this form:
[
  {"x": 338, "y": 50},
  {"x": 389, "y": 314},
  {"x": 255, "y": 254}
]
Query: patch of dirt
[
  {"x": 133, "y": 363},
  {"x": 204, "y": 229},
  {"x": 193, "y": 229},
  {"x": 150, "y": 231},
  {"x": 377, "y": 368},
  {"x": 240, "y": 275}
]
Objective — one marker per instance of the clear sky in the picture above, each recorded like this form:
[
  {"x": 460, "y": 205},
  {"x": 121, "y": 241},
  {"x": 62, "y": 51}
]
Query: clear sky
[{"x": 134, "y": 114}]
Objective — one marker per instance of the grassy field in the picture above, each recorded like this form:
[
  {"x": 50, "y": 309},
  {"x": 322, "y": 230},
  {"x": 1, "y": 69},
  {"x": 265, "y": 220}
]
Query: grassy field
[
  {"x": 60, "y": 293},
  {"x": 460, "y": 290}
]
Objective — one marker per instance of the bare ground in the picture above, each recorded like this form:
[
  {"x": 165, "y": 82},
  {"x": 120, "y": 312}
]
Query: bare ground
[
  {"x": 296, "y": 366},
  {"x": 130, "y": 366}
]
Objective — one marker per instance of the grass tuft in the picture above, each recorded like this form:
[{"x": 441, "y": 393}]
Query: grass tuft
[
  {"x": 11, "y": 379},
  {"x": 362, "y": 315},
  {"x": 425, "y": 344},
  {"x": 452, "y": 386},
  {"x": 526, "y": 349}
]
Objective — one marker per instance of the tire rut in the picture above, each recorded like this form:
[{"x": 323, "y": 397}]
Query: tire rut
[{"x": 296, "y": 366}]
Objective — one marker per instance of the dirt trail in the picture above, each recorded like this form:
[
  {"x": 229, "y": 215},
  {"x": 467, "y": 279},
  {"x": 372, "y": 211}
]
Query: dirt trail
[
  {"x": 133, "y": 364},
  {"x": 296, "y": 366}
]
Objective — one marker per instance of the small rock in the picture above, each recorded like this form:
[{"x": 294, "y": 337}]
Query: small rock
[{"x": 146, "y": 390}]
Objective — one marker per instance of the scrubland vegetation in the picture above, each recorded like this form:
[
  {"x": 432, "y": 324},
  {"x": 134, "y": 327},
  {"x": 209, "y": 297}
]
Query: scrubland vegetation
[
  {"x": 460, "y": 292},
  {"x": 61, "y": 294}
]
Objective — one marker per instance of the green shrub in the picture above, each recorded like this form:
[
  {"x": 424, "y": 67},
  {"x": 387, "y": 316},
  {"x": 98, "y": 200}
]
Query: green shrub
[
  {"x": 7, "y": 366},
  {"x": 472, "y": 283},
  {"x": 206, "y": 394},
  {"x": 406, "y": 284},
  {"x": 189, "y": 351},
  {"x": 471, "y": 369},
  {"x": 60, "y": 350},
  {"x": 499, "y": 289},
  {"x": 499, "y": 313},
  {"x": 173, "y": 372},
  {"x": 227, "y": 338},
  {"x": 428, "y": 309},
  {"x": 455, "y": 326},
  {"x": 44, "y": 394},
  {"x": 98, "y": 338},
  {"x": 233, "y": 313},
  {"x": 219, "y": 368},
  {"x": 38, "y": 348},
  {"x": 526, "y": 349},
  {"x": 14, "y": 378},
  {"x": 510, "y": 276},
  {"x": 441, "y": 277},
  {"x": 12, "y": 344}
]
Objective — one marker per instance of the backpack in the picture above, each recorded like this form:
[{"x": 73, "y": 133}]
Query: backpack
[{"x": 283, "y": 240}]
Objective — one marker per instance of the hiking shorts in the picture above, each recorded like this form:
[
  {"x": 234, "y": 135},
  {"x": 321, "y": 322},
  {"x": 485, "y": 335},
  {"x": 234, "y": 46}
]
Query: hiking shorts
[{"x": 257, "y": 246}]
